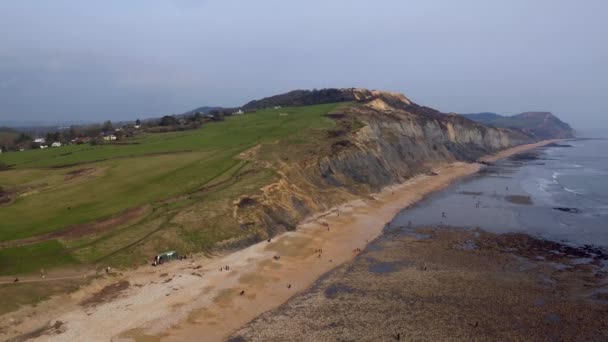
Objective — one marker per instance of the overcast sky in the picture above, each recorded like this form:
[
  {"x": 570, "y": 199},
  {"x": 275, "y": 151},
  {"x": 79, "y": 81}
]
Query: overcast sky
[{"x": 114, "y": 59}]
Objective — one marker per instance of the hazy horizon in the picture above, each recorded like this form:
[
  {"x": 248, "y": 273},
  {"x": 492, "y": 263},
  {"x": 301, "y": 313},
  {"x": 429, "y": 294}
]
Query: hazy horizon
[{"x": 66, "y": 61}]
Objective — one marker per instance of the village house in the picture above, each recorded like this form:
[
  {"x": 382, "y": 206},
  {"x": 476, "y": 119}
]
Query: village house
[
  {"x": 39, "y": 140},
  {"x": 41, "y": 147},
  {"x": 56, "y": 144},
  {"x": 110, "y": 137},
  {"x": 238, "y": 112}
]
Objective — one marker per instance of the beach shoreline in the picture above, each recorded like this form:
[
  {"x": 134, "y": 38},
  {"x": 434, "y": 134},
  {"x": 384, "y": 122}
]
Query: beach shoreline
[
  {"x": 448, "y": 283},
  {"x": 199, "y": 299}
]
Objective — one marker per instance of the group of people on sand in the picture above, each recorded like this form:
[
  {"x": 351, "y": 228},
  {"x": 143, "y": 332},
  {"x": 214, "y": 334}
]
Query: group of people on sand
[
  {"x": 157, "y": 261},
  {"x": 326, "y": 225},
  {"x": 318, "y": 251}
]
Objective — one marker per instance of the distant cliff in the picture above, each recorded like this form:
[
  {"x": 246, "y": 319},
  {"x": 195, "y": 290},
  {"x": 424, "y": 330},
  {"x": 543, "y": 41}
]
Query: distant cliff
[{"x": 542, "y": 125}]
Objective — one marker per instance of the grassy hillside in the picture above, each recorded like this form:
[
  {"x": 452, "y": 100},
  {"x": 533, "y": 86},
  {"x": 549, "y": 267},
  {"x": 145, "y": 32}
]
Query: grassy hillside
[{"x": 161, "y": 191}]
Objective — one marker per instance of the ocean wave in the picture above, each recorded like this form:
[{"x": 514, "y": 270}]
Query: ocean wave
[
  {"x": 573, "y": 191},
  {"x": 555, "y": 178},
  {"x": 544, "y": 186}
]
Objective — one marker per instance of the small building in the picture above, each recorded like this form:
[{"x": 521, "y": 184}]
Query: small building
[
  {"x": 238, "y": 112},
  {"x": 277, "y": 107},
  {"x": 39, "y": 140},
  {"x": 43, "y": 146},
  {"x": 110, "y": 137},
  {"x": 137, "y": 126},
  {"x": 56, "y": 144}
]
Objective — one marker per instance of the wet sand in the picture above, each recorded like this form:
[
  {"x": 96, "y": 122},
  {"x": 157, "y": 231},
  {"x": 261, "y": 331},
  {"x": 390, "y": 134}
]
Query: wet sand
[
  {"x": 194, "y": 300},
  {"x": 449, "y": 284}
]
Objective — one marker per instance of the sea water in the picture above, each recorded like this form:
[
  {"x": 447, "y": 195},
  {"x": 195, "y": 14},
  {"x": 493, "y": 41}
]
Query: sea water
[{"x": 524, "y": 193}]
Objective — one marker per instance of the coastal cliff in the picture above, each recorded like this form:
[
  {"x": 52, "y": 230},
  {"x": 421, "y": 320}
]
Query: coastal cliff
[
  {"x": 541, "y": 125},
  {"x": 380, "y": 139}
]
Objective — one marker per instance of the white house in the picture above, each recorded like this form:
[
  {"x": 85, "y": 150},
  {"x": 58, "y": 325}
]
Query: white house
[
  {"x": 39, "y": 140},
  {"x": 137, "y": 126},
  {"x": 277, "y": 107},
  {"x": 238, "y": 112},
  {"x": 110, "y": 137},
  {"x": 43, "y": 146},
  {"x": 56, "y": 144}
]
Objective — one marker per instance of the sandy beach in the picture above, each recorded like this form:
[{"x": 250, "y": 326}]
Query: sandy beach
[{"x": 200, "y": 299}]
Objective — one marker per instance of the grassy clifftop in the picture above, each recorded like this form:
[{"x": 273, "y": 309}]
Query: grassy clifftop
[{"x": 158, "y": 191}]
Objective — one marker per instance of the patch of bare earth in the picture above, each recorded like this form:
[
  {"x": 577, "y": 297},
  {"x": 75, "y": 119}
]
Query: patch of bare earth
[
  {"x": 519, "y": 199},
  {"x": 79, "y": 173},
  {"x": 6, "y": 196},
  {"x": 106, "y": 294},
  {"x": 51, "y": 328},
  {"x": 81, "y": 230}
]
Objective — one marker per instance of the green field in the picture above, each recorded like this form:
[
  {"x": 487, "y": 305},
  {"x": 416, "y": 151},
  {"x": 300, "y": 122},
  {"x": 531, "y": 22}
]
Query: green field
[{"x": 182, "y": 182}]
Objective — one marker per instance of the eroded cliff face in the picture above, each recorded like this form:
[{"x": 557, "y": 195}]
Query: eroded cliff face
[{"x": 382, "y": 140}]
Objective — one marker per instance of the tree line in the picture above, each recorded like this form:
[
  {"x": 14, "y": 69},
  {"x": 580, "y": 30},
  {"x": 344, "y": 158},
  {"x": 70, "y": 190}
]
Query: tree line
[{"x": 12, "y": 140}]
